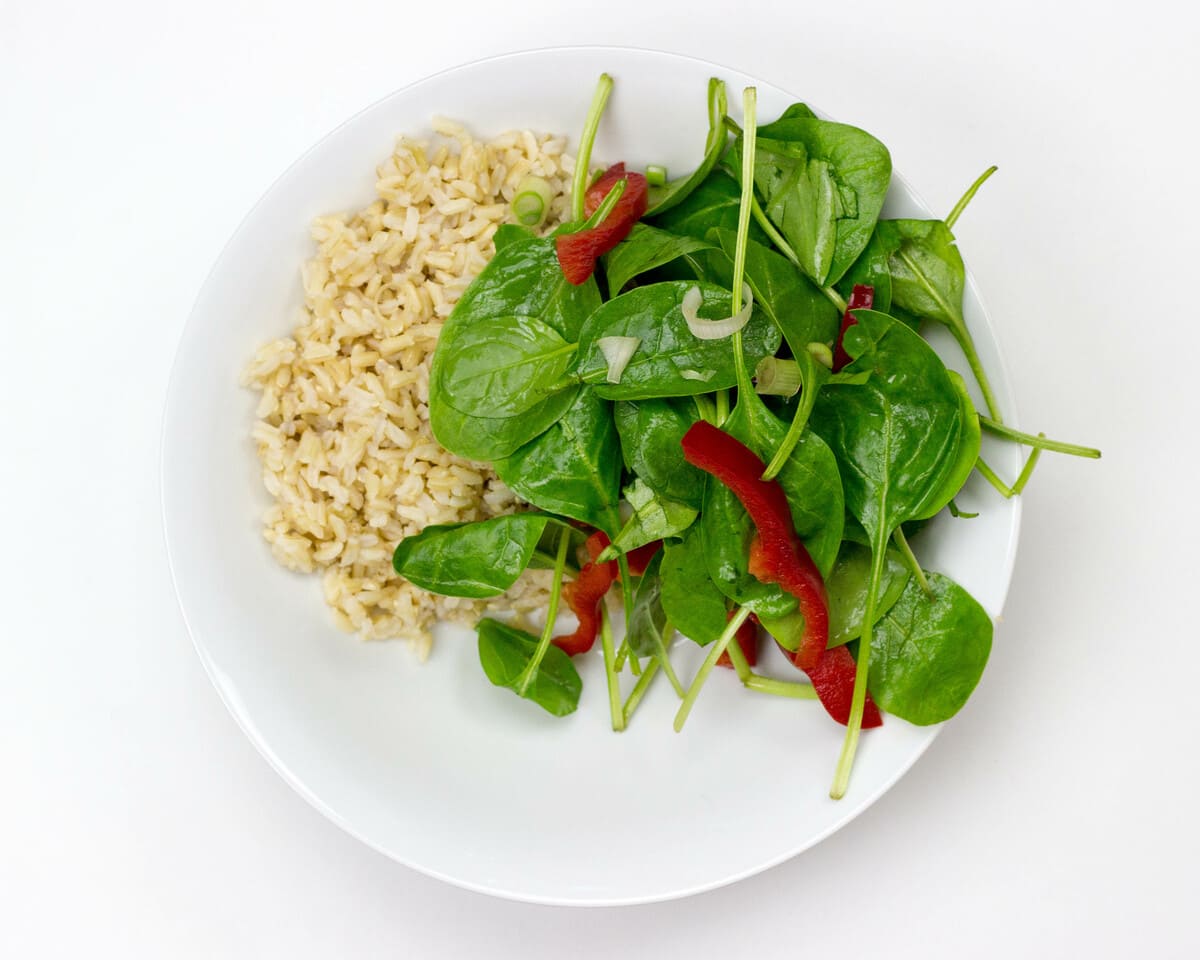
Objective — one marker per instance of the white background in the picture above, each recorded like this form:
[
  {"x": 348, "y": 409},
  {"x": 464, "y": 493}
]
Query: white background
[{"x": 1054, "y": 816}]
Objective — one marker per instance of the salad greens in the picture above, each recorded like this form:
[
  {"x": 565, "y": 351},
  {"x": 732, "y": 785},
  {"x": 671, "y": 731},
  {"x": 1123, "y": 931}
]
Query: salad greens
[{"x": 581, "y": 395}]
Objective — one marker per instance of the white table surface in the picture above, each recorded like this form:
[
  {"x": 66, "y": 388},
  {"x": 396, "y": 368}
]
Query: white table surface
[{"x": 1055, "y": 816}]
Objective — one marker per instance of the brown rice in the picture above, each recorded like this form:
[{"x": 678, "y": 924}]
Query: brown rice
[{"x": 343, "y": 423}]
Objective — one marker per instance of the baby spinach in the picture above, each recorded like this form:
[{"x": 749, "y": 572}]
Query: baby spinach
[
  {"x": 928, "y": 652},
  {"x": 847, "y": 589},
  {"x": 574, "y": 468},
  {"x": 690, "y": 600},
  {"x": 523, "y": 290},
  {"x": 653, "y": 518},
  {"x": 481, "y": 559},
  {"x": 824, "y": 185},
  {"x": 643, "y": 250},
  {"x": 651, "y": 432},
  {"x": 648, "y": 621},
  {"x": 714, "y": 203},
  {"x": 927, "y": 281},
  {"x": 872, "y": 268},
  {"x": 967, "y": 455},
  {"x": 504, "y": 653},
  {"x": 669, "y": 361}
]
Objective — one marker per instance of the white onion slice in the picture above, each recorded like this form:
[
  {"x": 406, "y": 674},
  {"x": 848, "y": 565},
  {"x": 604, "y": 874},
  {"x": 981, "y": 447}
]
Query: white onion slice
[
  {"x": 714, "y": 329},
  {"x": 617, "y": 352},
  {"x": 697, "y": 375}
]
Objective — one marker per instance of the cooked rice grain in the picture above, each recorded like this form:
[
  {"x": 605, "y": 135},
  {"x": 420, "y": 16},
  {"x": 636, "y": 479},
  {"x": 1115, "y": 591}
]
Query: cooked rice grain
[{"x": 343, "y": 422}]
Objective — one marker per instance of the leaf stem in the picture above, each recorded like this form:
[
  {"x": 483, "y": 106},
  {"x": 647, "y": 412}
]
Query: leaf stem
[
  {"x": 722, "y": 406},
  {"x": 614, "y": 686},
  {"x": 740, "y": 665},
  {"x": 583, "y": 157},
  {"x": 785, "y": 248},
  {"x": 911, "y": 560},
  {"x": 539, "y": 653},
  {"x": 705, "y": 408},
  {"x": 639, "y": 690},
  {"x": 966, "y": 198},
  {"x": 808, "y": 399},
  {"x": 665, "y": 659},
  {"x": 710, "y": 661},
  {"x": 1005, "y": 490},
  {"x": 841, "y": 776},
  {"x": 967, "y": 345},
  {"x": 1039, "y": 442},
  {"x": 780, "y": 688},
  {"x": 749, "y": 115}
]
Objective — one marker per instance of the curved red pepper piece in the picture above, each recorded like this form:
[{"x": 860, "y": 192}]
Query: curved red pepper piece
[
  {"x": 585, "y": 593},
  {"x": 577, "y": 252},
  {"x": 776, "y": 555},
  {"x": 833, "y": 679},
  {"x": 747, "y": 639},
  {"x": 862, "y": 297}
]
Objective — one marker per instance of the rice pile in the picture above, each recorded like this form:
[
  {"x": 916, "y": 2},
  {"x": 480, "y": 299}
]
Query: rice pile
[{"x": 343, "y": 424}]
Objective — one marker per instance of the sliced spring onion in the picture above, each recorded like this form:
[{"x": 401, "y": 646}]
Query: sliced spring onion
[
  {"x": 617, "y": 351},
  {"x": 656, "y": 175},
  {"x": 821, "y": 353},
  {"x": 704, "y": 376},
  {"x": 714, "y": 329},
  {"x": 532, "y": 202},
  {"x": 776, "y": 377}
]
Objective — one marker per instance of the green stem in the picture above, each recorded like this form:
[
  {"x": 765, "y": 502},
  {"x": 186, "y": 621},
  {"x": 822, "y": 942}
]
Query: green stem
[
  {"x": 911, "y": 559},
  {"x": 740, "y": 665},
  {"x": 780, "y": 688},
  {"x": 1039, "y": 442},
  {"x": 583, "y": 158},
  {"x": 639, "y": 690},
  {"x": 808, "y": 399},
  {"x": 722, "y": 406},
  {"x": 615, "y": 192},
  {"x": 665, "y": 659},
  {"x": 966, "y": 197},
  {"x": 955, "y": 511},
  {"x": 967, "y": 345},
  {"x": 749, "y": 114},
  {"x": 626, "y": 592},
  {"x": 710, "y": 661},
  {"x": 614, "y": 686},
  {"x": 785, "y": 248},
  {"x": 841, "y": 776},
  {"x": 1005, "y": 490},
  {"x": 560, "y": 563},
  {"x": 705, "y": 408}
]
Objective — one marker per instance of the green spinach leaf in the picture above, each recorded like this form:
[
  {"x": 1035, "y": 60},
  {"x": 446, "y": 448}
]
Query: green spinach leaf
[
  {"x": 648, "y": 620},
  {"x": 669, "y": 361},
  {"x": 504, "y": 652},
  {"x": 847, "y": 589},
  {"x": 481, "y": 559},
  {"x": 676, "y": 191},
  {"x": 712, "y": 204},
  {"x": 574, "y": 468},
  {"x": 651, "y": 434},
  {"x": 645, "y": 249},
  {"x": 653, "y": 518},
  {"x": 690, "y": 600},
  {"x": 928, "y": 653}
]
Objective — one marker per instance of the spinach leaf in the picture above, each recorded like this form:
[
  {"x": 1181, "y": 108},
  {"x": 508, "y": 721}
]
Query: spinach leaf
[
  {"x": 896, "y": 435},
  {"x": 669, "y": 360},
  {"x": 653, "y": 518},
  {"x": 574, "y": 468},
  {"x": 648, "y": 621},
  {"x": 873, "y": 269},
  {"x": 508, "y": 233},
  {"x": 672, "y": 194},
  {"x": 523, "y": 280},
  {"x": 928, "y": 653},
  {"x": 847, "y": 589},
  {"x": 691, "y": 602},
  {"x": 643, "y": 250},
  {"x": 824, "y": 185},
  {"x": 968, "y": 450},
  {"x": 511, "y": 365},
  {"x": 504, "y": 652},
  {"x": 712, "y": 204},
  {"x": 651, "y": 434},
  {"x": 481, "y": 559}
]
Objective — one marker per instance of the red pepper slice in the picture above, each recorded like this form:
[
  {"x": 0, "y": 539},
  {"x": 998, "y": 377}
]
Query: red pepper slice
[
  {"x": 747, "y": 639},
  {"x": 862, "y": 297},
  {"x": 833, "y": 679},
  {"x": 776, "y": 555},
  {"x": 577, "y": 252},
  {"x": 585, "y": 593}
]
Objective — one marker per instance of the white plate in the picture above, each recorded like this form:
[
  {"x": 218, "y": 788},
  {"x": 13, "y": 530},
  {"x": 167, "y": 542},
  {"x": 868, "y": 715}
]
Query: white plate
[{"x": 430, "y": 764}]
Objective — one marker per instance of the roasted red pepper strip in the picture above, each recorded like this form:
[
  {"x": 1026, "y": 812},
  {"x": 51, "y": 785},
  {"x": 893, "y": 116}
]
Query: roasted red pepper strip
[
  {"x": 862, "y": 297},
  {"x": 586, "y": 592},
  {"x": 747, "y": 638},
  {"x": 833, "y": 679},
  {"x": 777, "y": 555},
  {"x": 577, "y": 252}
]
